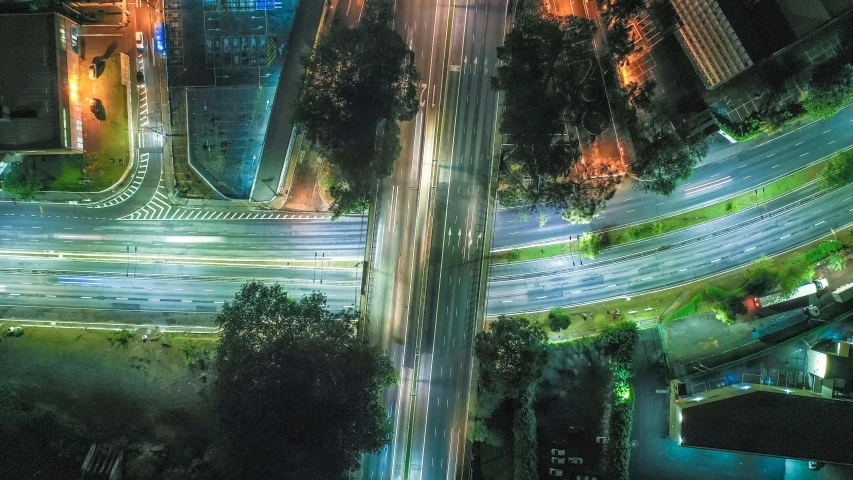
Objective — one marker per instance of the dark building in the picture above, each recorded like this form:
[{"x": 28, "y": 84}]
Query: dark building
[{"x": 38, "y": 103}]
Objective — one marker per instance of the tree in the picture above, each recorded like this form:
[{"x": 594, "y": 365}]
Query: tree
[
  {"x": 358, "y": 82},
  {"x": 620, "y": 42},
  {"x": 590, "y": 245},
  {"x": 298, "y": 395},
  {"x": 794, "y": 273},
  {"x": 618, "y": 342},
  {"x": 762, "y": 278},
  {"x": 512, "y": 354},
  {"x": 830, "y": 88},
  {"x": 663, "y": 159},
  {"x": 837, "y": 261},
  {"x": 838, "y": 170},
  {"x": 640, "y": 94},
  {"x": 559, "y": 319},
  {"x": 19, "y": 182},
  {"x": 621, "y": 9},
  {"x": 91, "y": 167}
]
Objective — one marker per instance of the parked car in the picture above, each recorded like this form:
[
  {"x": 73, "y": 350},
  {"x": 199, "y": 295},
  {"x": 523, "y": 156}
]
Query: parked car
[
  {"x": 558, "y": 460},
  {"x": 140, "y": 79},
  {"x": 575, "y": 461},
  {"x": 558, "y": 452},
  {"x": 600, "y": 439},
  {"x": 555, "y": 472},
  {"x": 140, "y": 42},
  {"x": 95, "y": 106},
  {"x": 94, "y": 71},
  {"x": 574, "y": 429}
]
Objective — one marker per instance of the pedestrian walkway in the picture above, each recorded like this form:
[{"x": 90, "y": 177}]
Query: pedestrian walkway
[{"x": 161, "y": 208}]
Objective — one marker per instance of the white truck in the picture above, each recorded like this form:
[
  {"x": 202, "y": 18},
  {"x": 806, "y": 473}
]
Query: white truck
[{"x": 805, "y": 289}]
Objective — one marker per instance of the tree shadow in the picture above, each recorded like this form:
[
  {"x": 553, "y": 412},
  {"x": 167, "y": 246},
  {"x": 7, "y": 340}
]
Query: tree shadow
[{"x": 111, "y": 48}]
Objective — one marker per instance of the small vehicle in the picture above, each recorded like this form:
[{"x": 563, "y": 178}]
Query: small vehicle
[
  {"x": 555, "y": 472},
  {"x": 94, "y": 71},
  {"x": 95, "y": 106},
  {"x": 140, "y": 79},
  {"x": 159, "y": 38},
  {"x": 558, "y": 452},
  {"x": 140, "y": 42},
  {"x": 558, "y": 460},
  {"x": 600, "y": 439},
  {"x": 813, "y": 465},
  {"x": 575, "y": 460},
  {"x": 575, "y": 429}
]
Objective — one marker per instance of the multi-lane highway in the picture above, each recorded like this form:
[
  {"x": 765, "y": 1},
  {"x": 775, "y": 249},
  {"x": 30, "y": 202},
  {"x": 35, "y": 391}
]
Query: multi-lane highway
[
  {"x": 672, "y": 260},
  {"x": 712, "y": 182}
]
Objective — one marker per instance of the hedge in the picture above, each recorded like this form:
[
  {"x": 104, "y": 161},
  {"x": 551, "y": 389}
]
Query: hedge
[{"x": 617, "y": 454}]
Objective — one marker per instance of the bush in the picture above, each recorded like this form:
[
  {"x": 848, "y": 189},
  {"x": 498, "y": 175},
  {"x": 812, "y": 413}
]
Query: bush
[
  {"x": 618, "y": 342},
  {"x": 799, "y": 269},
  {"x": 590, "y": 245},
  {"x": 124, "y": 335},
  {"x": 559, "y": 319},
  {"x": 762, "y": 278},
  {"x": 197, "y": 356},
  {"x": 513, "y": 255},
  {"x": 617, "y": 453},
  {"x": 19, "y": 182},
  {"x": 728, "y": 309},
  {"x": 524, "y": 429},
  {"x": 686, "y": 310},
  {"x": 823, "y": 250},
  {"x": 837, "y": 171},
  {"x": 837, "y": 260}
]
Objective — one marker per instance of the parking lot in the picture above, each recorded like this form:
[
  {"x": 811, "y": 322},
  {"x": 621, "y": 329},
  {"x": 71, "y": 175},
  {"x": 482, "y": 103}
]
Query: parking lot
[{"x": 570, "y": 403}]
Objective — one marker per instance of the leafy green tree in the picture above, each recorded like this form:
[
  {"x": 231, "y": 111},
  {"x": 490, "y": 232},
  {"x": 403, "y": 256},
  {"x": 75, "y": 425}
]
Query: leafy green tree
[
  {"x": 830, "y": 88},
  {"x": 762, "y": 278},
  {"x": 559, "y": 319},
  {"x": 358, "y": 82},
  {"x": 794, "y": 273},
  {"x": 618, "y": 342},
  {"x": 640, "y": 95},
  {"x": 663, "y": 159},
  {"x": 19, "y": 182},
  {"x": 837, "y": 261},
  {"x": 838, "y": 170},
  {"x": 590, "y": 245},
  {"x": 524, "y": 429},
  {"x": 621, "y": 9},
  {"x": 512, "y": 354},
  {"x": 298, "y": 395}
]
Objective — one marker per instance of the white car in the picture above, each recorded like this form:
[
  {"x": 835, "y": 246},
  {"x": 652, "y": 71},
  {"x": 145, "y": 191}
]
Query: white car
[
  {"x": 558, "y": 460},
  {"x": 555, "y": 472},
  {"x": 140, "y": 42},
  {"x": 558, "y": 452},
  {"x": 575, "y": 460}
]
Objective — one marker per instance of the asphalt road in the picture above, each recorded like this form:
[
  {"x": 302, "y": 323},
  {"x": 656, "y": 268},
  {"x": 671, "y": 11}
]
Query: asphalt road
[
  {"x": 654, "y": 270},
  {"x": 710, "y": 183}
]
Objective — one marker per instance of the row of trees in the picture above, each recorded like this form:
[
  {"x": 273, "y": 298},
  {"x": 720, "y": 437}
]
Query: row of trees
[
  {"x": 358, "y": 82},
  {"x": 512, "y": 355},
  {"x": 541, "y": 99}
]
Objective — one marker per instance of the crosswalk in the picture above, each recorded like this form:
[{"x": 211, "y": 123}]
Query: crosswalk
[
  {"x": 131, "y": 189},
  {"x": 160, "y": 208}
]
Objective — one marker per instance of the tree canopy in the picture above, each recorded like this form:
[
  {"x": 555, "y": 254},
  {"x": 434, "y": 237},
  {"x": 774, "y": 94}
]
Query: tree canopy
[
  {"x": 540, "y": 101},
  {"x": 19, "y": 182},
  {"x": 830, "y": 88},
  {"x": 513, "y": 354},
  {"x": 358, "y": 82},
  {"x": 298, "y": 395}
]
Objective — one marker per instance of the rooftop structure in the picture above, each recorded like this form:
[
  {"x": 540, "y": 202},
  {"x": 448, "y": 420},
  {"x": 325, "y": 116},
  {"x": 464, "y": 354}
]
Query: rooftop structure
[
  {"x": 36, "y": 97},
  {"x": 763, "y": 420},
  {"x": 726, "y": 37}
]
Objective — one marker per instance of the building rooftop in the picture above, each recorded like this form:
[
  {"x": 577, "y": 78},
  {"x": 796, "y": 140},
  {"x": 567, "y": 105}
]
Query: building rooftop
[
  {"x": 28, "y": 82},
  {"x": 761, "y": 26},
  {"x": 799, "y": 425}
]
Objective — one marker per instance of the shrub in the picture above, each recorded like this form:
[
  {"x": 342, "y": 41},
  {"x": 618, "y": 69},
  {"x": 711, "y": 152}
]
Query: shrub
[
  {"x": 559, "y": 319},
  {"x": 686, "y": 310},
  {"x": 762, "y": 278},
  {"x": 618, "y": 342},
  {"x": 524, "y": 429},
  {"x": 823, "y": 250},
  {"x": 837, "y": 171},
  {"x": 617, "y": 453},
  {"x": 124, "y": 335},
  {"x": 799, "y": 269},
  {"x": 590, "y": 245},
  {"x": 837, "y": 261},
  {"x": 197, "y": 356}
]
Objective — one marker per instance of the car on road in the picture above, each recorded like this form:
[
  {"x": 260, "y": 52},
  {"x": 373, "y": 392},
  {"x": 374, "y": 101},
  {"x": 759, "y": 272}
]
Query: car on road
[
  {"x": 574, "y": 429},
  {"x": 140, "y": 42},
  {"x": 94, "y": 70},
  {"x": 558, "y": 452},
  {"x": 813, "y": 465},
  {"x": 558, "y": 460},
  {"x": 555, "y": 472},
  {"x": 95, "y": 106},
  {"x": 140, "y": 79},
  {"x": 575, "y": 460}
]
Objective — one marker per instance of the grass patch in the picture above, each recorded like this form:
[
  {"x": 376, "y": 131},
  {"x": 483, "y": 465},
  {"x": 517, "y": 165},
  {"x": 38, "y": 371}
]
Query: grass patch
[
  {"x": 114, "y": 141},
  {"x": 722, "y": 294},
  {"x": 691, "y": 308}
]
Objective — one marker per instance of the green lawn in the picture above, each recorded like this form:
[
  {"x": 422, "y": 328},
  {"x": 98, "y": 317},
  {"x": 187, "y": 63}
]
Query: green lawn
[
  {"x": 114, "y": 140},
  {"x": 638, "y": 232}
]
